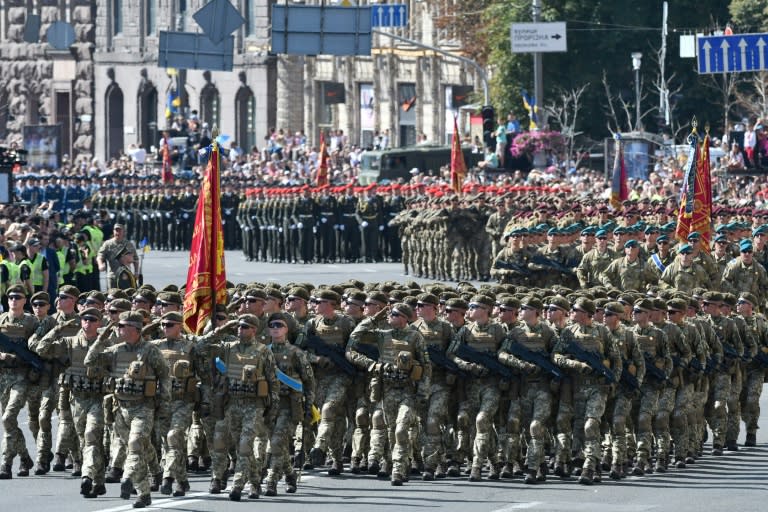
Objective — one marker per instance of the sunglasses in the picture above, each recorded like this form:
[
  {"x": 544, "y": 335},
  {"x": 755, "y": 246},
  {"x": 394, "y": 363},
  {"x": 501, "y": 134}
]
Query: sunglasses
[
  {"x": 609, "y": 313},
  {"x": 114, "y": 311},
  {"x": 292, "y": 299},
  {"x": 65, "y": 297},
  {"x": 423, "y": 305},
  {"x": 743, "y": 302},
  {"x": 722, "y": 242},
  {"x": 635, "y": 310},
  {"x": 245, "y": 326},
  {"x": 221, "y": 318},
  {"x": 529, "y": 308},
  {"x": 277, "y": 325},
  {"x": 554, "y": 308},
  {"x": 663, "y": 242},
  {"x": 502, "y": 308},
  {"x": 163, "y": 304},
  {"x": 167, "y": 325},
  {"x": 91, "y": 302},
  {"x": 395, "y": 314},
  {"x": 92, "y": 319},
  {"x": 16, "y": 297},
  {"x": 135, "y": 301},
  {"x": 122, "y": 326},
  {"x": 747, "y": 252},
  {"x": 476, "y": 306},
  {"x": 577, "y": 310},
  {"x": 39, "y": 304},
  {"x": 253, "y": 301},
  {"x": 673, "y": 311}
]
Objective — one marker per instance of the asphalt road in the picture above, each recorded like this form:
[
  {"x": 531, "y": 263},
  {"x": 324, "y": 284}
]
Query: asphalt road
[{"x": 735, "y": 482}]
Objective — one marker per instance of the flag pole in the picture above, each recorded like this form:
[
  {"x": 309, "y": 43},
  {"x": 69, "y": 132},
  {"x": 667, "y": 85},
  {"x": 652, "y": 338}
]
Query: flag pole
[{"x": 214, "y": 215}]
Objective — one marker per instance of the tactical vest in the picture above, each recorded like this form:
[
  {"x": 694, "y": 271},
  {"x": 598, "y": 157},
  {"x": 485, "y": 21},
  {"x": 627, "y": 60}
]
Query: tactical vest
[
  {"x": 534, "y": 341},
  {"x": 286, "y": 363},
  {"x": 15, "y": 334},
  {"x": 483, "y": 340},
  {"x": 431, "y": 336},
  {"x": 14, "y": 274},
  {"x": 589, "y": 341},
  {"x": 647, "y": 343},
  {"x": 400, "y": 354},
  {"x": 81, "y": 379},
  {"x": 131, "y": 377},
  {"x": 331, "y": 334},
  {"x": 245, "y": 375},
  {"x": 183, "y": 379}
]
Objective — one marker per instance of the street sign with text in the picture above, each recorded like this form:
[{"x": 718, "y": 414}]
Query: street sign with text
[
  {"x": 732, "y": 54},
  {"x": 538, "y": 37}
]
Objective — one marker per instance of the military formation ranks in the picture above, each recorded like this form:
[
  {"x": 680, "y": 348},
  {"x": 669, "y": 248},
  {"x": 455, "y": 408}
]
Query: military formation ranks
[{"x": 396, "y": 380}]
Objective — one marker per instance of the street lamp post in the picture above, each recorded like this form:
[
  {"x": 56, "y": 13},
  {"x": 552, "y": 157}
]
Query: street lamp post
[{"x": 637, "y": 58}]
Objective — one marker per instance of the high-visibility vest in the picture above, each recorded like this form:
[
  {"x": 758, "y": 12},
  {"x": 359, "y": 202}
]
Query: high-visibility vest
[{"x": 36, "y": 268}]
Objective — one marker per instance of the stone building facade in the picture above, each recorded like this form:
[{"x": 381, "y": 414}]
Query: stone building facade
[{"x": 43, "y": 86}]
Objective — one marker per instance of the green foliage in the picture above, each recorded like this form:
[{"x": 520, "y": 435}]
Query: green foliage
[{"x": 749, "y": 15}]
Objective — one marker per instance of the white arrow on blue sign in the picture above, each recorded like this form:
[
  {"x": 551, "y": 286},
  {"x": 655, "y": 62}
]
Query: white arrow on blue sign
[
  {"x": 392, "y": 15},
  {"x": 732, "y": 54}
]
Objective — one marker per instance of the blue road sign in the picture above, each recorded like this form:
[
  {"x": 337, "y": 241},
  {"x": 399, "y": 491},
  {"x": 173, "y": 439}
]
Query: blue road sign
[
  {"x": 391, "y": 15},
  {"x": 185, "y": 50},
  {"x": 321, "y": 30},
  {"x": 732, "y": 54},
  {"x": 218, "y": 19}
]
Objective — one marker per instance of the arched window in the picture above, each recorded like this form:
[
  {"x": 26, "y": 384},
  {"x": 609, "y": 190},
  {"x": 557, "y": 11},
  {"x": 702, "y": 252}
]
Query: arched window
[
  {"x": 114, "y": 120},
  {"x": 245, "y": 112},
  {"x": 209, "y": 105},
  {"x": 148, "y": 131}
]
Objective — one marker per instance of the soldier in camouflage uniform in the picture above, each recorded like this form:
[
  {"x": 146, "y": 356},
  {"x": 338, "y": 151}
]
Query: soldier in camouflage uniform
[
  {"x": 595, "y": 261},
  {"x": 85, "y": 392},
  {"x": 139, "y": 375},
  {"x": 627, "y": 272},
  {"x": 661, "y": 258},
  {"x": 295, "y": 402},
  {"x": 511, "y": 263},
  {"x": 755, "y": 371},
  {"x": 683, "y": 274},
  {"x": 590, "y": 390},
  {"x": 482, "y": 393},
  {"x": 744, "y": 274},
  {"x": 403, "y": 371},
  {"x": 16, "y": 377},
  {"x": 531, "y": 410}
]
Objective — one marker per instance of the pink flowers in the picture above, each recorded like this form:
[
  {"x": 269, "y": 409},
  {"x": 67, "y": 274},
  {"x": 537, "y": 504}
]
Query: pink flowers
[{"x": 528, "y": 143}]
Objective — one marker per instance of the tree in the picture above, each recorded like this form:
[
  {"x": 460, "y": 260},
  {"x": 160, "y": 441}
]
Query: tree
[
  {"x": 749, "y": 15},
  {"x": 564, "y": 113}
]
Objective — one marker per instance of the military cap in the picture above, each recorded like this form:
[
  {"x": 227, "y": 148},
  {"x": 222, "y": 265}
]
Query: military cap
[
  {"x": 614, "y": 308},
  {"x": 149, "y": 287},
  {"x": 677, "y": 305},
  {"x": 589, "y": 230},
  {"x": 748, "y": 297},
  {"x": 255, "y": 293},
  {"x": 91, "y": 313},
  {"x": 694, "y": 235},
  {"x": 327, "y": 295},
  {"x": 662, "y": 239},
  {"x": 170, "y": 297},
  {"x": 508, "y": 302},
  {"x": 278, "y": 317},
  {"x": 403, "y": 309},
  {"x": 729, "y": 299},
  {"x": 601, "y": 233},
  {"x": 721, "y": 238},
  {"x": 482, "y": 300},
  {"x": 249, "y": 321},
  {"x": 685, "y": 249},
  {"x": 378, "y": 296},
  {"x": 713, "y": 297},
  {"x": 659, "y": 304},
  {"x": 274, "y": 293},
  {"x": 174, "y": 288},
  {"x": 132, "y": 319},
  {"x": 531, "y": 302},
  {"x": 619, "y": 230},
  {"x": 630, "y": 243},
  {"x": 456, "y": 303},
  {"x": 651, "y": 229},
  {"x": 114, "y": 293},
  {"x": 553, "y": 232},
  {"x": 298, "y": 292},
  {"x": 745, "y": 246},
  {"x": 17, "y": 289},
  {"x": 760, "y": 230},
  {"x": 146, "y": 294},
  {"x": 41, "y": 297},
  {"x": 173, "y": 316},
  {"x": 121, "y": 304},
  {"x": 427, "y": 298},
  {"x": 584, "y": 304},
  {"x": 559, "y": 302},
  {"x": 356, "y": 298},
  {"x": 645, "y": 305},
  {"x": 69, "y": 290}
]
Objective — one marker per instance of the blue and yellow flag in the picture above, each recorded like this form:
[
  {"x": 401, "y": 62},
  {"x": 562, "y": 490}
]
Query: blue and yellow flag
[
  {"x": 172, "y": 104},
  {"x": 533, "y": 110}
]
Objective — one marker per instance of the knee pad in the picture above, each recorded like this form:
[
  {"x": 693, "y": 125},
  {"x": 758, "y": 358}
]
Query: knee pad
[
  {"x": 244, "y": 448},
  {"x": 176, "y": 438},
  {"x": 462, "y": 420},
  {"x": 93, "y": 436},
  {"x": 219, "y": 441},
  {"x": 134, "y": 443},
  {"x": 378, "y": 420},
  {"x": 537, "y": 429},
  {"x": 362, "y": 418},
  {"x": 592, "y": 428},
  {"x": 328, "y": 412},
  {"x": 482, "y": 422},
  {"x": 401, "y": 434}
]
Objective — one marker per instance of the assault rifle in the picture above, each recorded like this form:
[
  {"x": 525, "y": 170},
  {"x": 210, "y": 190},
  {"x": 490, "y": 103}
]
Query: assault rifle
[
  {"x": 484, "y": 359},
  {"x": 762, "y": 357},
  {"x": 531, "y": 356},
  {"x": 336, "y": 355},
  {"x": 628, "y": 380},
  {"x": 507, "y": 265},
  {"x": 368, "y": 350},
  {"x": 438, "y": 358},
  {"x": 552, "y": 264},
  {"x": 730, "y": 353},
  {"x": 593, "y": 359},
  {"x": 23, "y": 353},
  {"x": 652, "y": 370}
]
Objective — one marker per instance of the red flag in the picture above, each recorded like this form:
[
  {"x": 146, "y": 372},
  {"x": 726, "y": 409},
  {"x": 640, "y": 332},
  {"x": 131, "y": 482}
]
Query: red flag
[
  {"x": 322, "y": 169},
  {"x": 206, "y": 279},
  {"x": 458, "y": 166},
  {"x": 166, "y": 173},
  {"x": 619, "y": 188},
  {"x": 696, "y": 195}
]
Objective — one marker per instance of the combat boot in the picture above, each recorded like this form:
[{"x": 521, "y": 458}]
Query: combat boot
[
  {"x": 428, "y": 475},
  {"x": 167, "y": 486},
  {"x": 336, "y": 469},
  {"x": 386, "y": 469},
  {"x": 205, "y": 464},
  {"x": 689, "y": 458},
  {"x": 86, "y": 486},
  {"x": 440, "y": 472},
  {"x": 587, "y": 477},
  {"x": 154, "y": 482},
  {"x": 354, "y": 466},
  {"x": 615, "y": 473},
  {"x": 59, "y": 463},
  {"x": 638, "y": 469},
  {"x": 235, "y": 494},
  {"x": 541, "y": 474},
  {"x": 113, "y": 476},
  {"x": 506, "y": 471},
  {"x": 661, "y": 465},
  {"x": 42, "y": 468},
  {"x": 290, "y": 483},
  {"x": 98, "y": 490},
  {"x": 605, "y": 462},
  {"x": 517, "y": 469},
  {"x": 475, "y": 474},
  {"x": 453, "y": 469},
  {"x": 215, "y": 487},
  {"x": 494, "y": 471},
  {"x": 317, "y": 457},
  {"x": 751, "y": 440},
  {"x": 561, "y": 471},
  {"x": 373, "y": 467},
  {"x": 192, "y": 464},
  {"x": 731, "y": 446},
  {"x": 397, "y": 479},
  {"x": 717, "y": 450},
  {"x": 77, "y": 468},
  {"x": 271, "y": 489},
  {"x": 180, "y": 488},
  {"x": 530, "y": 477},
  {"x": 143, "y": 501},
  {"x": 680, "y": 463},
  {"x": 598, "y": 476},
  {"x": 5, "y": 472},
  {"x": 255, "y": 492},
  {"x": 126, "y": 488},
  {"x": 25, "y": 465}
]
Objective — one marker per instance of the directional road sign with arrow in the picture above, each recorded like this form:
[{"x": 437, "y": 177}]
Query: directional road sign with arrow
[
  {"x": 732, "y": 54},
  {"x": 538, "y": 37}
]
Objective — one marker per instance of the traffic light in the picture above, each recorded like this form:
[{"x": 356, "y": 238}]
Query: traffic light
[{"x": 489, "y": 127}]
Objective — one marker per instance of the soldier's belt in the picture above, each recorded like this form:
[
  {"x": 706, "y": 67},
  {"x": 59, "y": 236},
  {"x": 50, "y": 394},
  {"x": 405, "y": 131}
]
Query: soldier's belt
[
  {"x": 349, "y": 214},
  {"x": 326, "y": 214}
]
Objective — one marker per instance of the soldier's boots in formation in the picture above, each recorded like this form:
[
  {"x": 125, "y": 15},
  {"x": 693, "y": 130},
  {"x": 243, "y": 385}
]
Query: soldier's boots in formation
[
  {"x": 26, "y": 464},
  {"x": 167, "y": 486},
  {"x": 113, "y": 476},
  {"x": 751, "y": 440},
  {"x": 290, "y": 483},
  {"x": 5, "y": 472},
  {"x": 235, "y": 494},
  {"x": 336, "y": 469},
  {"x": 731, "y": 445},
  {"x": 494, "y": 472},
  {"x": 59, "y": 463},
  {"x": 317, "y": 457},
  {"x": 717, "y": 450},
  {"x": 475, "y": 474},
  {"x": 89, "y": 490},
  {"x": 428, "y": 475},
  {"x": 180, "y": 488},
  {"x": 441, "y": 471},
  {"x": 143, "y": 501},
  {"x": 587, "y": 477},
  {"x": 373, "y": 467},
  {"x": 255, "y": 492},
  {"x": 126, "y": 488},
  {"x": 44, "y": 466},
  {"x": 215, "y": 487},
  {"x": 271, "y": 488},
  {"x": 616, "y": 471},
  {"x": 397, "y": 479},
  {"x": 77, "y": 469},
  {"x": 154, "y": 482},
  {"x": 193, "y": 464}
]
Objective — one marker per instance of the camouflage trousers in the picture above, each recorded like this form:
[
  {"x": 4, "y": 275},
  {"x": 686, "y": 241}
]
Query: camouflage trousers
[
  {"x": 332, "y": 391},
  {"x": 646, "y": 408},
  {"x": 619, "y": 411},
  {"x": 133, "y": 423},
  {"x": 391, "y": 425},
  {"x": 589, "y": 399},
  {"x": 564, "y": 441},
  {"x": 717, "y": 402},
  {"x": 243, "y": 419},
  {"x": 697, "y": 424},
  {"x": 480, "y": 404},
  {"x": 13, "y": 396},
  {"x": 532, "y": 410},
  {"x": 361, "y": 436},
  {"x": 750, "y": 398},
  {"x": 734, "y": 404},
  {"x": 200, "y": 436},
  {"x": 680, "y": 413},
  {"x": 173, "y": 426},
  {"x": 41, "y": 401},
  {"x": 661, "y": 431},
  {"x": 280, "y": 441},
  {"x": 438, "y": 419},
  {"x": 67, "y": 442},
  {"x": 88, "y": 415}
]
